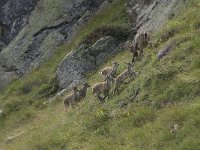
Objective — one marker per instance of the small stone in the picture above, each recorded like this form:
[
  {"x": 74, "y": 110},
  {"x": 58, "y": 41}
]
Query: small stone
[
  {"x": 163, "y": 52},
  {"x": 1, "y": 112}
]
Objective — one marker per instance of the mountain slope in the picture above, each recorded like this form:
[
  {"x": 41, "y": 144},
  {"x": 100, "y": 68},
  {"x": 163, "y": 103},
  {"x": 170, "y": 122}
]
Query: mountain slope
[{"x": 164, "y": 93}]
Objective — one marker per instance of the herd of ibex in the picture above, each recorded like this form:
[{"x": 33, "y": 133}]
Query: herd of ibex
[{"x": 110, "y": 73}]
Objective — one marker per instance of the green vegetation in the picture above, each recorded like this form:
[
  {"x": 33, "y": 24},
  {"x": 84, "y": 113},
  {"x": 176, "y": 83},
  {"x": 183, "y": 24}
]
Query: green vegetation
[
  {"x": 164, "y": 93},
  {"x": 27, "y": 95}
]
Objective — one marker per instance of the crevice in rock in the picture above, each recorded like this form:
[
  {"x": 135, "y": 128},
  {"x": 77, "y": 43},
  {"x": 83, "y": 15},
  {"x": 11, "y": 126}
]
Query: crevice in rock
[
  {"x": 57, "y": 26},
  {"x": 2, "y": 30},
  {"x": 90, "y": 5},
  {"x": 13, "y": 69},
  {"x": 9, "y": 69}
]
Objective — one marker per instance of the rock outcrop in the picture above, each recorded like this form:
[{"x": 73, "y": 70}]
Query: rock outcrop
[
  {"x": 30, "y": 31},
  {"x": 72, "y": 69},
  {"x": 152, "y": 14}
]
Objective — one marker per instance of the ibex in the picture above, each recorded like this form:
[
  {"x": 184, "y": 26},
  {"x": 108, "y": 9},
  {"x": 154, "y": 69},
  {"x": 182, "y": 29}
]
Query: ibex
[
  {"x": 72, "y": 98},
  {"x": 139, "y": 43},
  {"x": 110, "y": 70},
  {"x": 119, "y": 80},
  {"x": 83, "y": 91},
  {"x": 103, "y": 88}
]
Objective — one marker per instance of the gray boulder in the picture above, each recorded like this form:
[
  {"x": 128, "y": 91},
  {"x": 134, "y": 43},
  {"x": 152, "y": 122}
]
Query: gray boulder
[
  {"x": 75, "y": 65},
  {"x": 168, "y": 47}
]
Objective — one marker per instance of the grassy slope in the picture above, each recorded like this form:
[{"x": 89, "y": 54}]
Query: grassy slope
[{"x": 168, "y": 94}]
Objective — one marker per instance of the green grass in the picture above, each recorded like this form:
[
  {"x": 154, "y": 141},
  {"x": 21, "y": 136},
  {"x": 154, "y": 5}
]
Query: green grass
[
  {"x": 31, "y": 91},
  {"x": 165, "y": 92}
]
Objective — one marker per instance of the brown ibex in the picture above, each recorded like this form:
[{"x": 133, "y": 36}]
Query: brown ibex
[
  {"x": 110, "y": 70},
  {"x": 103, "y": 88},
  {"x": 139, "y": 43},
  {"x": 72, "y": 98},
  {"x": 119, "y": 80},
  {"x": 83, "y": 91}
]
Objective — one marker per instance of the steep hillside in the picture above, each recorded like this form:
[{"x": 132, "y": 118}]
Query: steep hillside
[{"x": 165, "y": 94}]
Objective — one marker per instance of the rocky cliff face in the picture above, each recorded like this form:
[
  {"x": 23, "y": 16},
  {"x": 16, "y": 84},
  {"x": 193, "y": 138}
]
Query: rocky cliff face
[
  {"x": 30, "y": 30},
  {"x": 151, "y": 15}
]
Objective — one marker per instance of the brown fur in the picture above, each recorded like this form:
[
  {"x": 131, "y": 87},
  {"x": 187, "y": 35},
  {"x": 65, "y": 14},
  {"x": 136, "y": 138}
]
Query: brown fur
[
  {"x": 72, "y": 98},
  {"x": 103, "y": 88},
  {"x": 83, "y": 92},
  {"x": 119, "y": 80},
  {"x": 110, "y": 70},
  {"x": 139, "y": 43}
]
